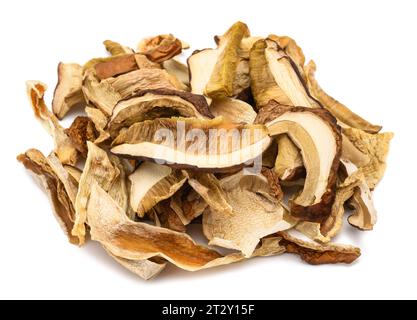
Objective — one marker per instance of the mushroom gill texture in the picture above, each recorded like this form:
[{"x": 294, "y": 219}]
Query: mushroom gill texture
[{"x": 239, "y": 147}]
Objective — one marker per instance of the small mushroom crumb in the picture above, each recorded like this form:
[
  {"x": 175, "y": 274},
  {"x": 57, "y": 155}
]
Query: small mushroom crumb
[{"x": 220, "y": 142}]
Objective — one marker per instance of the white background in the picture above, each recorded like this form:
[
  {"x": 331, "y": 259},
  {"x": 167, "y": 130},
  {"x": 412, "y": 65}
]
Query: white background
[{"x": 365, "y": 53}]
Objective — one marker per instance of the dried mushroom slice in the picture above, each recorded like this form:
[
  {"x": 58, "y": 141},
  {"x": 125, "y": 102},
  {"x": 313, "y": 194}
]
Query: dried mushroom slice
[
  {"x": 168, "y": 218},
  {"x": 339, "y": 110},
  {"x": 152, "y": 183},
  {"x": 64, "y": 148},
  {"x": 376, "y": 147},
  {"x": 116, "y": 66},
  {"x": 316, "y": 254},
  {"x": 317, "y": 135},
  {"x": 81, "y": 130},
  {"x": 210, "y": 145},
  {"x": 100, "y": 121},
  {"x": 178, "y": 70},
  {"x": 157, "y": 103},
  {"x": 352, "y": 154},
  {"x": 213, "y": 71},
  {"x": 187, "y": 204},
  {"x": 289, "y": 162},
  {"x": 256, "y": 214},
  {"x": 160, "y": 48},
  {"x": 115, "y": 48},
  {"x": 60, "y": 188},
  {"x": 233, "y": 110},
  {"x": 208, "y": 187},
  {"x": 98, "y": 168},
  {"x": 68, "y": 92},
  {"x": 131, "y": 240}
]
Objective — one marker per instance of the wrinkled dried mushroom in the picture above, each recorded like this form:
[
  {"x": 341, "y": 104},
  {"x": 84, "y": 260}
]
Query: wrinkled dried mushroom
[{"x": 241, "y": 144}]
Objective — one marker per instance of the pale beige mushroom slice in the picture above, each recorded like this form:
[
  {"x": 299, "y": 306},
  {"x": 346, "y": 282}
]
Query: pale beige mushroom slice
[
  {"x": 115, "y": 48},
  {"x": 339, "y": 110},
  {"x": 100, "y": 121},
  {"x": 256, "y": 214},
  {"x": 152, "y": 183},
  {"x": 177, "y": 69},
  {"x": 314, "y": 253},
  {"x": 376, "y": 147},
  {"x": 289, "y": 162},
  {"x": 233, "y": 110},
  {"x": 64, "y": 148},
  {"x": 68, "y": 92},
  {"x": 317, "y": 135},
  {"x": 209, "y": 145},
  {"x": 59, "y": 186},
  {"x": 157, "y": 103}
]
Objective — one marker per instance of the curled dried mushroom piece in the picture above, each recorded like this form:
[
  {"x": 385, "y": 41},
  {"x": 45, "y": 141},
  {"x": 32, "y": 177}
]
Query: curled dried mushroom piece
[{"x": 241, "y": 145}]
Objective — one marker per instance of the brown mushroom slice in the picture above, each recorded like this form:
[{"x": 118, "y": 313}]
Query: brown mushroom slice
[
  {"x": 210, "y": 145},
  {"x": 100, "y": 122},
  {"x": 115, "y": 48},
  {"x": 160, "y": 48},
  {"x": 317, "y": 135},
  {"x": 177, "y": 69},
  {"x": 312, "y": 230},
  {"x": 168, "y": 218},
  {"x": 187, "y": 204},
  {"x": 316, "y": 254},
  {"x": 209, "y": 188},
  {"x": 131, "y": 240},
  {"x": 233, "y": 110},
  {"x": 81, "y": 130},
  {"x": 339, "y": 110},
  {"x": 59, "y": 187},
  {"x": 145, "y": 269},
  {"x": 157, "y": 103},
  {"x": 101, "y": 94},
  {"x": 376, "y": 147},
  {"x": 364, "y": 215},
  {"x": 98, "y": 168},
  {"x": 68, "y": 92},
  {"x": 256, "y": 214},
  {"x": 64, "y": 148},
  {"x": 143, "y": 79},
  {"x": 286, "y": 77},
  {"x": 152, "y": 183},
  {"x": 289, "y": 162}
]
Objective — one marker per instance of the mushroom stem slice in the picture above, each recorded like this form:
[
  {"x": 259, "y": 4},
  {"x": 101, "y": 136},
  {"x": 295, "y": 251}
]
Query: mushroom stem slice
[
  {"x": 64, "y": 148},
  {"x": 289, "y": 163},
  {"x": 209, "y": 145},
  {"x": 68, "y": 92},
  {"x": 316, "y": 134},
  {"x": 339, "y": 110}
]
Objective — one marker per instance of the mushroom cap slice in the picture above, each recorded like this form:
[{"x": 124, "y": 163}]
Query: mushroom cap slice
[
  {"x": 233, "y": 110},
  {"x": 256, "y": 213},
  {"x": 152, "y": 183},
  {"x": 115, "y": 48},
  {"x": 160, "y": 48},
  {"x": 68, "y": 92},
  {"x": 157, "y": 103},
  {"x": 317, "y": 135},
  {"x": 210, "y": 145}
]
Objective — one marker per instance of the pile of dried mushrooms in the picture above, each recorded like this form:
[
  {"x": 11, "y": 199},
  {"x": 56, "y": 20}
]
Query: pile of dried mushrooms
[{"x": 112, "y": 179}]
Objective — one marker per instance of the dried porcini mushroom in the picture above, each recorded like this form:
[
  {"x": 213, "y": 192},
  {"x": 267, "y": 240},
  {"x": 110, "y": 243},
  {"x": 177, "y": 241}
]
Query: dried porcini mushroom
[
  {"x": 241, "y": 143},
  {"x": 182, "y": 142},
  {"x": 68, "y": 92},
  {"x": 152, "y": 183},
  {"x": 315, "y": 132}
]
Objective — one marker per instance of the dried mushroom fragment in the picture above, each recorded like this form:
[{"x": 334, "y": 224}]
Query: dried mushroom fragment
[
  {"x": 60, "y": 188},
  {"x": 187, "y": 204},
  {"x": 289, "y": 162},
  {"x": 157, "y": 103},
  {"x": 233, "y": 110},
  {"x": 68, "y": 93},
  {"x": 353, "y": 154},
  {"x": 168, "y": 218},
  {"x": 315, "y": 132},
  {"x": 160, "y": 48},
  {"x": 152, "y": 183},
  {"x": 98, "y": 168},
  {"x": 131, "y": 240},
  {"x": 116, "y": 66},
  {"x": 210, "y": 145},
  {"x": 376, "y": 147},
  {"x": 339, "y": 110},
  {"x": 313, "y": 253},
  {"x": 81, "y": 130},
  {"x": 115, "y": 48},
  {"x": 178, "y": 70},
  {"x": 256, "y": 214},
  {"x": 64, "y": 148},
  {"x": 214, "y": 72},
  {"x": 100, "y": 122}
]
